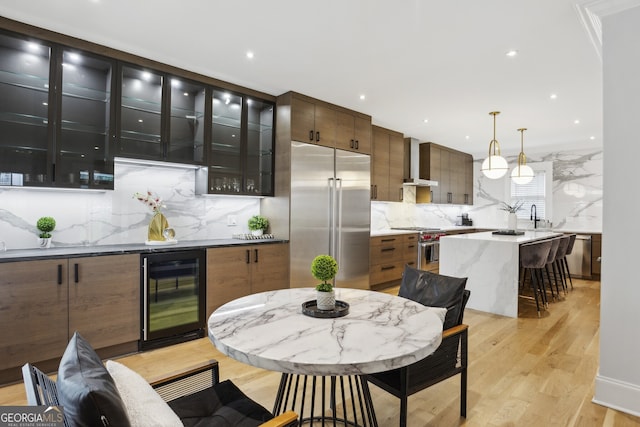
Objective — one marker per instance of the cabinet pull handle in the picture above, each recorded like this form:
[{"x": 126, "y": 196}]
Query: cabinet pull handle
[
  {"x": 411, "y": 246},
  {"x": 357, "y": 144},
  {"x": 59, "y": 274},
  {"x": 390, "y": 267},
  {"x": 256, "y": 255},
  {"x": 311, "y": 135},
  {"x": 76, "y": 272},
  {"x": 352, "y": 145},
  {"x": 388, "y": 240},
  {"x": 248, "y": 257},
  {"x": 387, "y": 249},
  {"x": 317, "y": 136},
  {"x": 401, "y": 194}
]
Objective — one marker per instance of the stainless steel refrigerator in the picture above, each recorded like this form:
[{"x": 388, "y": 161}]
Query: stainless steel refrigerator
[{"x": 330, "y": 213}]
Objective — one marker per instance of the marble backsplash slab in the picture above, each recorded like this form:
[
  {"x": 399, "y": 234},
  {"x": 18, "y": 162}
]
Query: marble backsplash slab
[
  {"x": 90, "y": 217},
  {"x": 576, "y": 198}
]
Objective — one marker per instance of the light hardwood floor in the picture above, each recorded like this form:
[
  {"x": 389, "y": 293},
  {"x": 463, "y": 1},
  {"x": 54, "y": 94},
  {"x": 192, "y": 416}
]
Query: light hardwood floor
[{"x": 528, "y": 371}]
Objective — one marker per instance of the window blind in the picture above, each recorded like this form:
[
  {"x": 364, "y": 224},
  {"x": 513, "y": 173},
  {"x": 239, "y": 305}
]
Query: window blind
[{"x": 530, "y": 194}]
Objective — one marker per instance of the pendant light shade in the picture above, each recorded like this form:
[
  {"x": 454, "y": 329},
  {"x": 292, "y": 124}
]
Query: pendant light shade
[
  {"x": 494, "y": 166},
  {"x": 522, "y": 173}
]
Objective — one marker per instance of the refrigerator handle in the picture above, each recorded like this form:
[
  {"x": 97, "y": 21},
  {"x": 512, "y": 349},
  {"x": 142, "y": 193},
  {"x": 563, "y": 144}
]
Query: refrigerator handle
[
  {"x": 338, "y": 215},
  {"x": 332, "y": 218}
]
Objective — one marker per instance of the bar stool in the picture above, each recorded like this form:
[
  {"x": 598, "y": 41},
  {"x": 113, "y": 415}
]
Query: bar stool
[
  {"x": 555, "y": 243},
  {"x": 558, "y": 263},
  {"x": 572, "y": 240},
  {"x": 533, "y": 257}
]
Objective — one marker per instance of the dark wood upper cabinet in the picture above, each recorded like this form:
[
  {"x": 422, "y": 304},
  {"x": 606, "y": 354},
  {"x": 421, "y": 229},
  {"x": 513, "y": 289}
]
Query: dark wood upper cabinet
[
  {"x": 68, "y": 107},
  {"x": 26, "y": 122},
  {"x": 452, "y": 169},
  {"x": 56, "y": 116},
  {"x": 242, "y": 142}
]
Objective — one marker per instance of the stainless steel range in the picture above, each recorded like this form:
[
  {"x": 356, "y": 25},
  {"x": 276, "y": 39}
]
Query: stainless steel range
[{"x": 429, "y": 247}]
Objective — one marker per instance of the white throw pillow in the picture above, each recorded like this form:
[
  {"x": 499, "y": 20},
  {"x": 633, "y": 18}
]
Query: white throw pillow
[{"x": 144, "y": 406}]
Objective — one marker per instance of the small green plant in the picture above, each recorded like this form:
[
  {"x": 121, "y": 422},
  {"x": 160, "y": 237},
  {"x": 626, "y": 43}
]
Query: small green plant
[
  {"x": 325, "y": 268},
  {"x": 258, "y": 222},
  {"x": 46, "y": 225}
]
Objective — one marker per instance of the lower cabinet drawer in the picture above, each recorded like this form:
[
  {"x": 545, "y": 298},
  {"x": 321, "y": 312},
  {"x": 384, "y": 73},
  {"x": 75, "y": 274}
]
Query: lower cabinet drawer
[{"x": 386, "y": 272}]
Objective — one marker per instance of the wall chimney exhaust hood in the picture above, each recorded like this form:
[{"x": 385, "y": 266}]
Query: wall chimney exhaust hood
[{"x": 414, "y": 179}]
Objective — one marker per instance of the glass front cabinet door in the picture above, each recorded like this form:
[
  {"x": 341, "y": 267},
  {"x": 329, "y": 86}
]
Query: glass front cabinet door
[
  {"x": 84, "y": 156},
  {"x": 241, "y": 149},
  {"x": 56, "y": 116},
  {"x": 25, "y": 139}
]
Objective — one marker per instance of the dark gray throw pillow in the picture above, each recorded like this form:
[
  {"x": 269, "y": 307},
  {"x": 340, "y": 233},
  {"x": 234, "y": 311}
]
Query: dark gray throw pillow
[
  {"x": 86, "y": 390},
  {"x": 435, "y": 290}
]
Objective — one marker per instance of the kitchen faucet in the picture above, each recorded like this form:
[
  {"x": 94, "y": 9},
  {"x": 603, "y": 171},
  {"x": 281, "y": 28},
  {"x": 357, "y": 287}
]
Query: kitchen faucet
[{"x": 534, "y": 215}]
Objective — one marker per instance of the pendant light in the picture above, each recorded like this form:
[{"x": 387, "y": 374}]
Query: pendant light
[
  {"x": 494, "y": 166},
  {"x": 522, "y": 173}
]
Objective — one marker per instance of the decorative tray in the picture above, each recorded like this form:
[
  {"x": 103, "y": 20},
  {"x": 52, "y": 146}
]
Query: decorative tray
[
  {"x": 160, "y": 242},
  {"x": 252, "y": 237},
  {"x": 310, "y": 308},
  {"x": 508, "y": 233}
]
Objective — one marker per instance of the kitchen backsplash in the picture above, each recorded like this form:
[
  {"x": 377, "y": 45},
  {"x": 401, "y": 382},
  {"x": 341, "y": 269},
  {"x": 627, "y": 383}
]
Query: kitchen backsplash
[
  {"x": 576, "y": 204},
  {"x": 89, "y": 217}
]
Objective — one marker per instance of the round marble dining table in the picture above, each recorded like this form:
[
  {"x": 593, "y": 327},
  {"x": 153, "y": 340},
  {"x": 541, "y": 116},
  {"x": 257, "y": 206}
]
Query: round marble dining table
[{"x": 381, "y": 332}]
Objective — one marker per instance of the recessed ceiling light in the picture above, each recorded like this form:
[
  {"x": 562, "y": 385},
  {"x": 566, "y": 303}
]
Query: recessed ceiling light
[
  {"x": 511, "y": 53},
  {"x": 592, "y": 138},
  {"x": 467, "y": 137},
  {"x": 576, "y": 121},
  {"x": 426, "y": 120},
  {"x": 553, "y": 96},
  {"x": 250, "y": 55},
  {"x": 362, "y": 97}
]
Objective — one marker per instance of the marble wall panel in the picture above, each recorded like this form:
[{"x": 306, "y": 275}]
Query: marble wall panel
[
  {"x": 576, "y": 201},
  {"x": 88, "y": 217}
]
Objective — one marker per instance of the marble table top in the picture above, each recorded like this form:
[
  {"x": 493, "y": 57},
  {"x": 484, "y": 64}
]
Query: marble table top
[{"x": 381, "y": 332}]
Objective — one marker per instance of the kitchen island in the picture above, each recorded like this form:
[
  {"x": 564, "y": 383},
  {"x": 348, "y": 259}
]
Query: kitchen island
[{"x": 491, "y": 264}]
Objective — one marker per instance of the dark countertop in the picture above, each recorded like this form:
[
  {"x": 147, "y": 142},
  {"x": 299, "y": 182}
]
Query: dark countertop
[{"x": 85, "y": 251}]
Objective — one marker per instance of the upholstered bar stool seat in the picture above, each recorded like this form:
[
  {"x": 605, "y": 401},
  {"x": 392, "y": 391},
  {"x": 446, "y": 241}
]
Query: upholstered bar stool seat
[{"x": 533, "y": 258}]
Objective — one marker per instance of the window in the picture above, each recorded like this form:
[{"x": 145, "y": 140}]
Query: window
[{"x": 537, "y": 192}]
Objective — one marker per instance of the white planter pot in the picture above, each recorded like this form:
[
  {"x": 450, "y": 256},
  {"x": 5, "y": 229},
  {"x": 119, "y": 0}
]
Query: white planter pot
[
  {"x": 326, "y": 300},
  {"x": 512, "y": 221},
  {"x": 257, "y": 232},
  {"x": 44, "y": 242}
]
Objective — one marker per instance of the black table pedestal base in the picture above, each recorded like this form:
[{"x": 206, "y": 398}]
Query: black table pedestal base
[{"x": 326, "y": 400}]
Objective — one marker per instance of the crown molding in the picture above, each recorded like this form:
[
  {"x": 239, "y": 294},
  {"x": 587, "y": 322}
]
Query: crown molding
[{"x": 592, "y": 11}]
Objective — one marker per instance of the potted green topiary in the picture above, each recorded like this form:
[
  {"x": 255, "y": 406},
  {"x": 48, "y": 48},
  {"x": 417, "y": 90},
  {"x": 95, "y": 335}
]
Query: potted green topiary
[
  {"x": 258, "y": 225},
  {"x": 45, "y": 225},
  {"x": 325, "y": 268}
]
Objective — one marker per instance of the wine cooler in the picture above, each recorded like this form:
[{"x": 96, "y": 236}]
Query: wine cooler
[{"x": 173, "y": 297}]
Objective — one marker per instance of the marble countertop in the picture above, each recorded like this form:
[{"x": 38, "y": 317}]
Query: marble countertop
[
  {"x": 528, "y": 236},
  {"x": 388, "y": 231},
  {"x": 79, "y": 251},
  {"x": 380, "y": 332}
]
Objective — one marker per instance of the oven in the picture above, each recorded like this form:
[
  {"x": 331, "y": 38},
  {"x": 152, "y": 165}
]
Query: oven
[
  {"x": 173, "y": 297},
  {"x": 428, "y": 247}
]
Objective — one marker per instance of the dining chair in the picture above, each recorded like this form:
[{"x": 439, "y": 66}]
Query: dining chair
[{"x": 450, "y": 358}]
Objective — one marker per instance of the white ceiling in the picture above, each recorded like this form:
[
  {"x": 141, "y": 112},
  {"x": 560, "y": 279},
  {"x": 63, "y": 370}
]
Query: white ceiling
[{"x": 413, "y": 59}]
